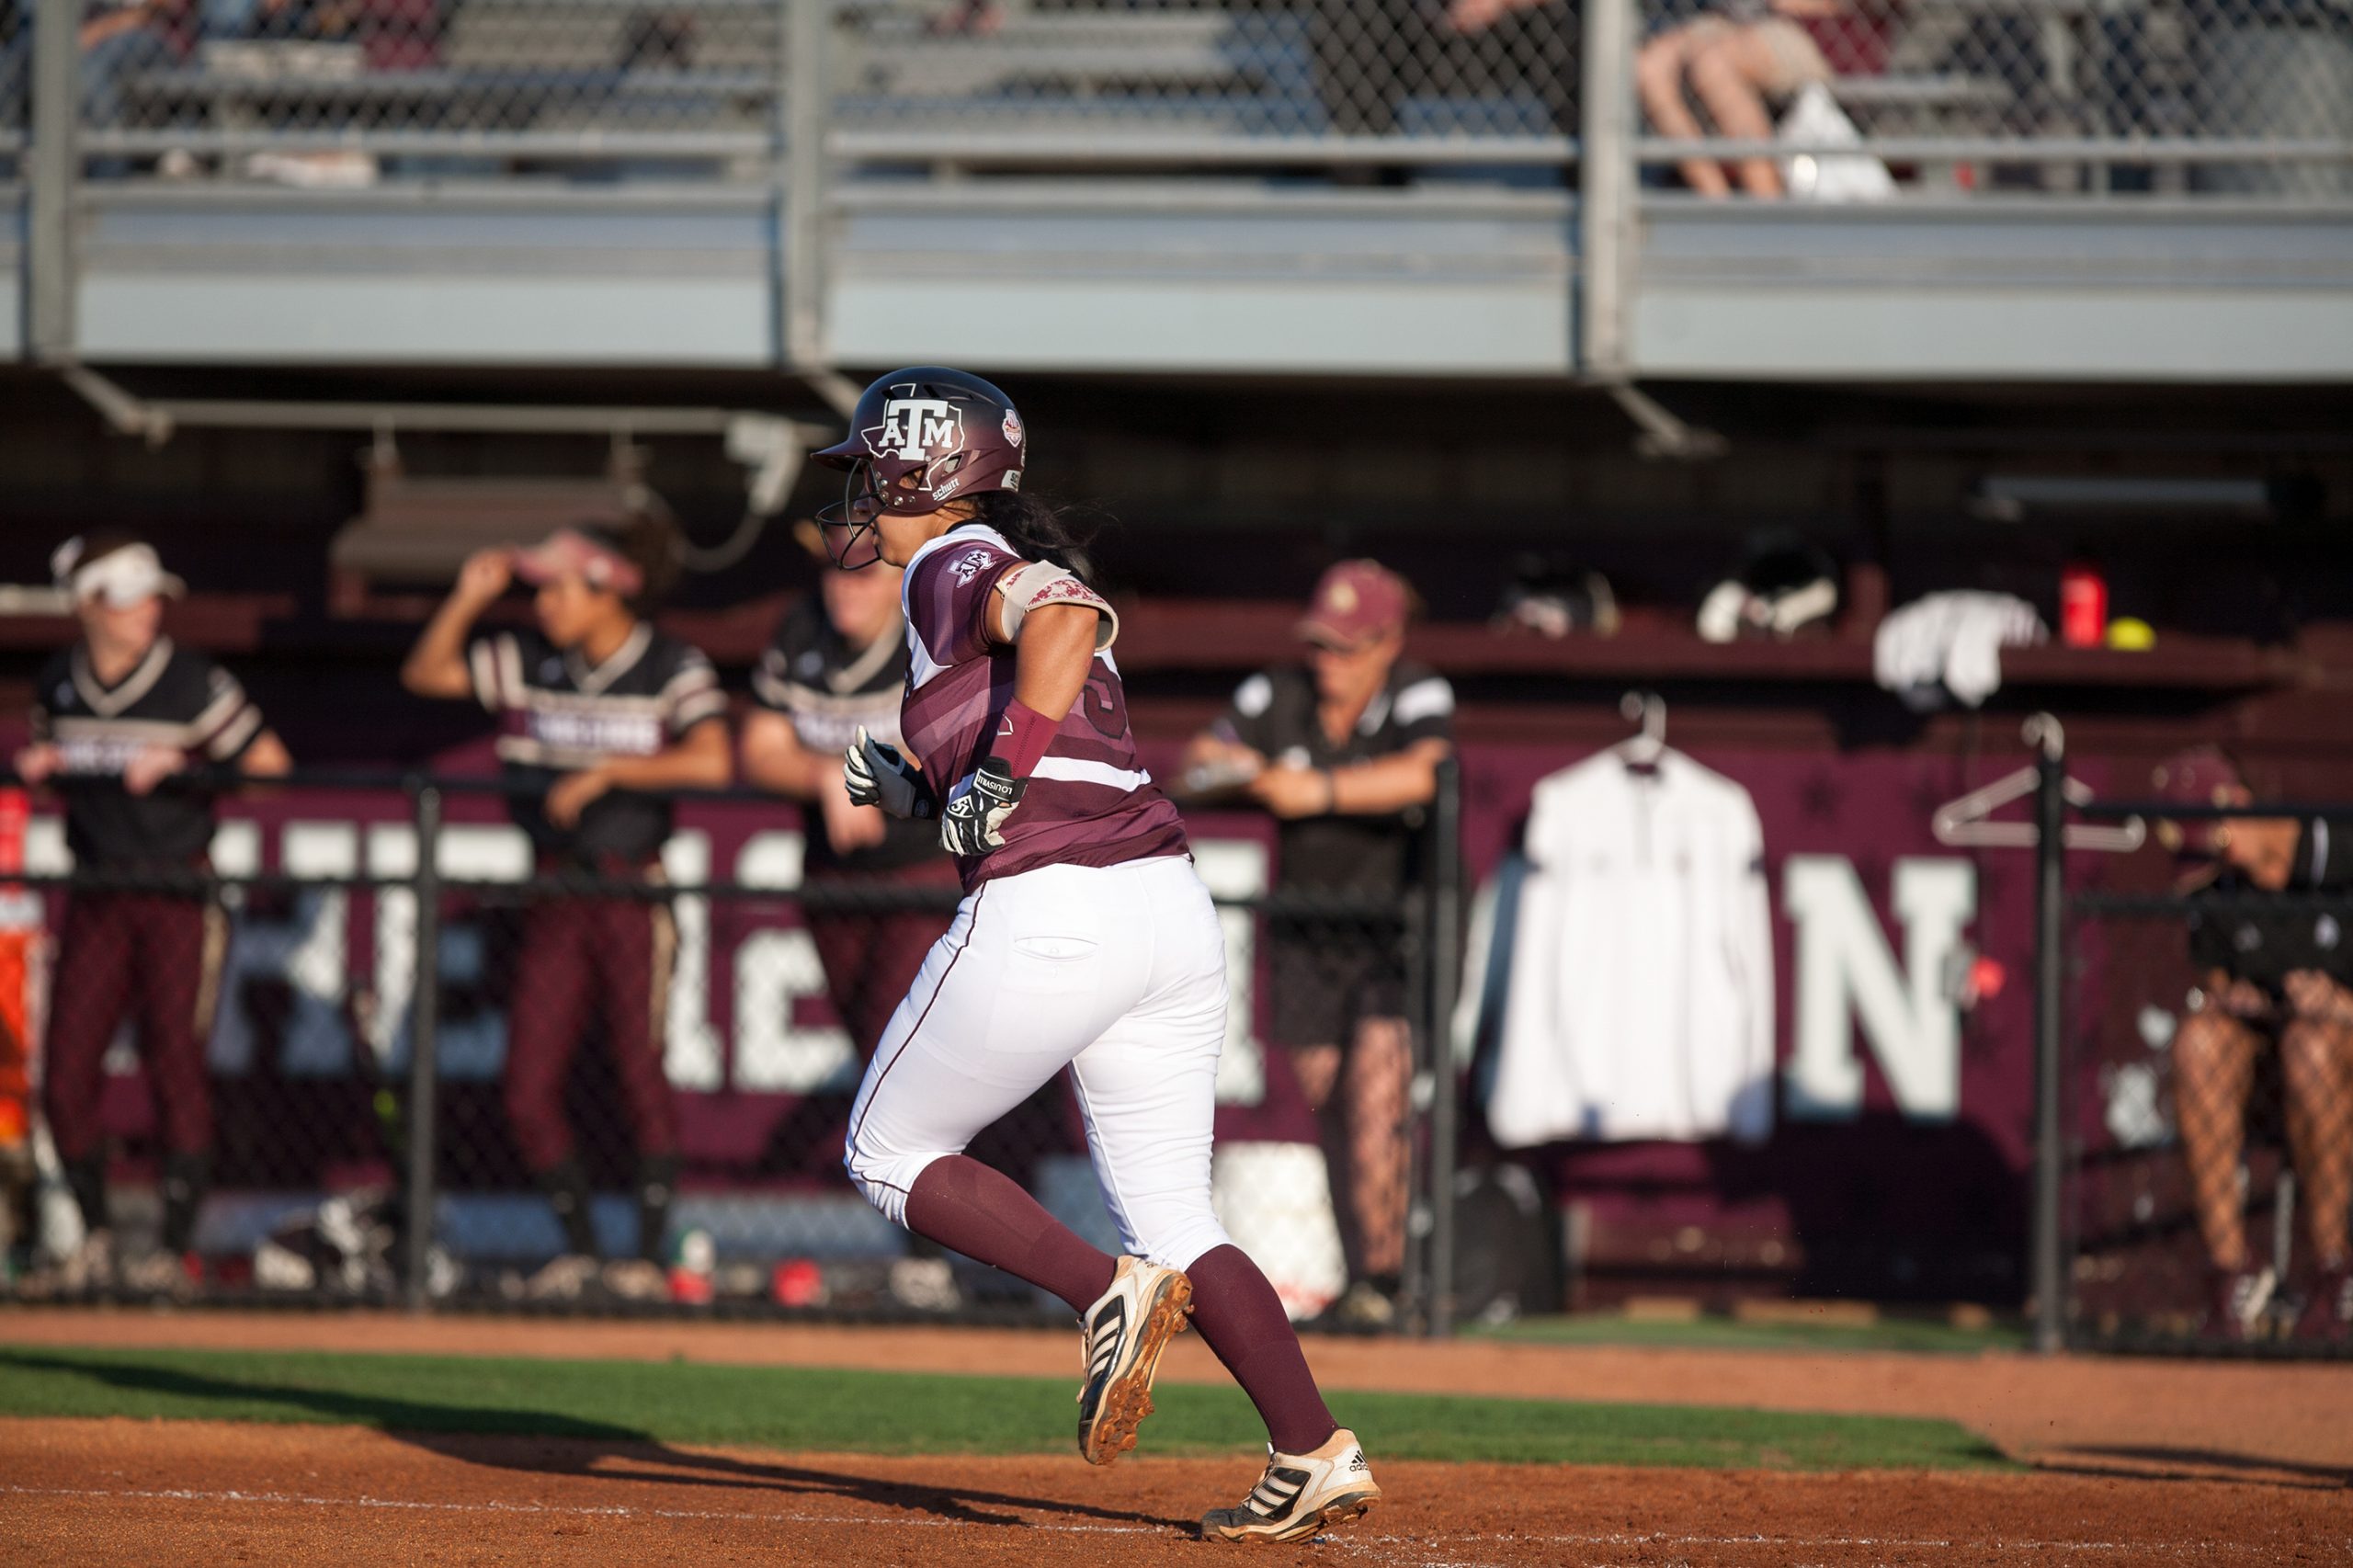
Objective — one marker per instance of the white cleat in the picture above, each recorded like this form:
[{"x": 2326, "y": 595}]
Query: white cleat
[
  {"x": 1124, "y": 1333},
  {"x": 1300, "y": 1496}
]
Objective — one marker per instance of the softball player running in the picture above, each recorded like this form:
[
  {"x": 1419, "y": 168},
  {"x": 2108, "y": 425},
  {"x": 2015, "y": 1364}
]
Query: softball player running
[{"x": 1084, "y": 940}]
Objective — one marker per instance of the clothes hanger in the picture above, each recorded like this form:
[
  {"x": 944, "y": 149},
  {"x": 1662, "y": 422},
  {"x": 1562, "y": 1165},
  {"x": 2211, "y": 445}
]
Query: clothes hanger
[
  {"x": 1640, "y": 752},
  {"x": 1962, "y": 824}
]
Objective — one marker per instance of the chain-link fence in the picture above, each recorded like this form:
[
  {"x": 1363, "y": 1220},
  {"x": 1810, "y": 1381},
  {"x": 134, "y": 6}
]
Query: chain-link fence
[
  {"x": 620, "y": 1086},
  {"x": 343, "y": 93},
  {"x": 1173, "y": 74},
  {"x": 337, "y": 94},
  {"x": 1854, "y": 100},
  {"x": 2213, "y": 1124},
  {"x": 1833, "y": 99},
  {"x": 16, "y": 86}
]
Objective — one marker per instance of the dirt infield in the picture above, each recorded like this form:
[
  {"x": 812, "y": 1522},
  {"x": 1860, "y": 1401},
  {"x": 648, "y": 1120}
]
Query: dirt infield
[
  {"x": 116, "y": 1491},
  {"x": 2137, "y": 1462},
  {"x": 2161, "y": 1419}
]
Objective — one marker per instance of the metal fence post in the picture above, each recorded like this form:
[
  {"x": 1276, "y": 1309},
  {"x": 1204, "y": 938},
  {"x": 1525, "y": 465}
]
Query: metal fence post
[
  {"x": 423, "y": 1027},
  {"x": 806, "y": 87},
  {"x": 1417, "y": 1288},
  {"x": 1444, "y": 955},
  {"x": 2049, "y": 1261},
  {"x": 1606, "y": 186},
  {"x": 54, "y": 170}
]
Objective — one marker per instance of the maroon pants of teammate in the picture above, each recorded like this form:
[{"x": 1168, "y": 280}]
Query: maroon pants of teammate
[
  {"x": 582, "y": 952},
  {"x": 871, "y": 961},
  {"x": 159, "y": 955}
]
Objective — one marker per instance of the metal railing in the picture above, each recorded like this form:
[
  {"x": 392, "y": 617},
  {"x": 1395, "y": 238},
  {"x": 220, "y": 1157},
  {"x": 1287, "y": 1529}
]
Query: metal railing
[
  {"x": 813, "y": 102},
  {"x": 361, "y": 1060}
]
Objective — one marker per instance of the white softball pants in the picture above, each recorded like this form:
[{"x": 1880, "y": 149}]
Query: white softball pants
[{"x": 1117, "y": 973}]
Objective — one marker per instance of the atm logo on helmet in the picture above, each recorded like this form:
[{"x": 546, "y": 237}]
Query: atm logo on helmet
[{"x": 915, "y": 427}]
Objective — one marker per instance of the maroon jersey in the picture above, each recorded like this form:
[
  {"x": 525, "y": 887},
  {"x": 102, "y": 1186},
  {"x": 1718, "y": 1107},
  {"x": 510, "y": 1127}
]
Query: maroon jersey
[{"x": 1089, "y": 801}]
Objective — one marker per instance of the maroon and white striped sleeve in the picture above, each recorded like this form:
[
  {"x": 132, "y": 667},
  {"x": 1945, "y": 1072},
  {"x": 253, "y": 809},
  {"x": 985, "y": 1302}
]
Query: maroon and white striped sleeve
[
  {"x": 228, "y": 722},
  {"x": 496, "y": 666},
  {"x": 691, "y": 694}
]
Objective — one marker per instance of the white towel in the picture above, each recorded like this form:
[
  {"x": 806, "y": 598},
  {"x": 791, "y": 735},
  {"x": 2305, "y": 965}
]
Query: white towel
[{"x": 1951, "y": 644}]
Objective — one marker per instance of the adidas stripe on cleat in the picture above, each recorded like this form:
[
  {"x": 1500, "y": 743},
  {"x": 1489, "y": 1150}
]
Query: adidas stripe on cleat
[
  {"x": 1300, "y": 1496},
  {"x": 1124, "y": 1333}
]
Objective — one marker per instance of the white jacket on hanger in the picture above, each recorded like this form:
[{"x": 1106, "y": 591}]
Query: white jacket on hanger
[{"x": 1641, "y": 1000}]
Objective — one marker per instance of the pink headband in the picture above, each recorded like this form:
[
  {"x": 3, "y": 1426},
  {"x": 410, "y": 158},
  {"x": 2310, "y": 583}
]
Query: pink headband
[{"x": 569, "y": 552}]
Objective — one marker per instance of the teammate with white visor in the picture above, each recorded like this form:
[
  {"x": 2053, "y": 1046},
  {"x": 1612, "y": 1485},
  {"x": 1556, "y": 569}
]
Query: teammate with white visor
[{"x": 1084, "y": 939}]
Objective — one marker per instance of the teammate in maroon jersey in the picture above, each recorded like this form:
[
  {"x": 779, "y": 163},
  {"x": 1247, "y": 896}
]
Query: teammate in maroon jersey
[
  {"x": 113, "y": 718},
  {"x": 1085, "y": 941},
  {"x": 837, "y": 664},
  {"x": 598, "y": 712}
]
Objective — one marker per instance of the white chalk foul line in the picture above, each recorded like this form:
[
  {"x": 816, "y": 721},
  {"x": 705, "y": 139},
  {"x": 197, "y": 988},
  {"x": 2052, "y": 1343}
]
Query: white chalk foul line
[{"x": 1358, "y": 1545}]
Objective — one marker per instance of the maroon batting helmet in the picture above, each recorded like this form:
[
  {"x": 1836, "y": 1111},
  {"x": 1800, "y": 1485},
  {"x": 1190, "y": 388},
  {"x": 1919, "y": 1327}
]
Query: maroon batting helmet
[{"x": 919, "y": 439}]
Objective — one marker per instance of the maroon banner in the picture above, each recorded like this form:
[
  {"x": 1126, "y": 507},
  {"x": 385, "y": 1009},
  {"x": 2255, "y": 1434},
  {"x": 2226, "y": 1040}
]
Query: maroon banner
[{"x": 1903, "y": 1023}]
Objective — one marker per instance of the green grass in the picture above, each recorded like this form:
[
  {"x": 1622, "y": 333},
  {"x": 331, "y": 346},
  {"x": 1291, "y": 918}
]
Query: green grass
[
  {"x": 792, "y": 1408},
  {"x": 1726, "y": 1333}
]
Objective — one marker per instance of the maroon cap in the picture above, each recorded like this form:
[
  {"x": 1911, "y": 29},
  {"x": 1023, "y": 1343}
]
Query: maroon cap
[
  {"x": 1355, "y": 602},
  {"x": 2201, "y": 776}
]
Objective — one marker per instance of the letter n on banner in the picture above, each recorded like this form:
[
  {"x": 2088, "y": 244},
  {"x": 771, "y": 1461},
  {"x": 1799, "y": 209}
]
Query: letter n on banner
[{"x": 1847, "y": 975}]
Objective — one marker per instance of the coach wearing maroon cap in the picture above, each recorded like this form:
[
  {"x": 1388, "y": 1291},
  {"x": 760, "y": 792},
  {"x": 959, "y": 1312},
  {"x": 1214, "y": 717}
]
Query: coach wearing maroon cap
[{"x": 1344, "y": 749}]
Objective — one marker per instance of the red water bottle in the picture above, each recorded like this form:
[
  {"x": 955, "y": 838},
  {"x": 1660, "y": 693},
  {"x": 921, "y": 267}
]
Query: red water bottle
[
  {"x": 2083, "y": 607},
  {"x": 16, "y": 820}
]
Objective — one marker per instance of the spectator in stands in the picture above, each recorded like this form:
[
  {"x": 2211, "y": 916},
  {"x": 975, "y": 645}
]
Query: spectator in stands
[
  {"x": 1345, "y": 750},
  {"x": 977, "y": 19},
  {"x": 2266, "y": 979},
  {"x": 597, "y": 712},
  {"x": 838, "y": 663},
  {"x": 393, "y": 35},
  {"x": 1736, "y": 60},
  {"x": 114, "y": 718},
  {"x": 119, "y": 37}
]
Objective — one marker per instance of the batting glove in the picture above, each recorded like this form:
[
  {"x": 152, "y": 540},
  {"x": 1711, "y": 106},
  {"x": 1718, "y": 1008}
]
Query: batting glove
[
  {"x": 974, "y": 821},
  {"x": 876, "y": 775}
]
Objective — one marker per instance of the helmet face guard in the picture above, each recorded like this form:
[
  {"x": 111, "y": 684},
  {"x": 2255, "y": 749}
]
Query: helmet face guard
[{"x": 852, "y": 534}]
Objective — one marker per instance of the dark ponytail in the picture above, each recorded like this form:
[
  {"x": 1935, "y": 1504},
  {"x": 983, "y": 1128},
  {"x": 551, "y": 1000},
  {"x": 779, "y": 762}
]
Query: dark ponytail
[
  {"x": 648, "y": 537},
  {"x": 1037, "y": 531}
]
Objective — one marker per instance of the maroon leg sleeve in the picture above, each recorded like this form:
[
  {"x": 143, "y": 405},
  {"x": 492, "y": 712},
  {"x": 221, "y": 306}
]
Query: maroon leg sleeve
[
  {"x": 87, "y": 994},
  {"x": 1239, "y": 1314},
  {"x": 961, "y": 1203},
  {"x": 636, "y": 948},
  {"x": 545, "y": 1012},
  {"x": 177, "y": 962}
]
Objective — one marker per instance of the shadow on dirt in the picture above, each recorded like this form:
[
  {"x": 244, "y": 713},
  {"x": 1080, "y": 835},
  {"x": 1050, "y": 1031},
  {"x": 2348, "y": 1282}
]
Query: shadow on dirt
[
  {"x": 546, "y": 1443},
  {"x": 2159, "y": 1463}
]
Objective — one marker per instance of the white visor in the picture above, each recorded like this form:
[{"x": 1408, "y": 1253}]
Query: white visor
[{"x": 125, "y": 577}]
